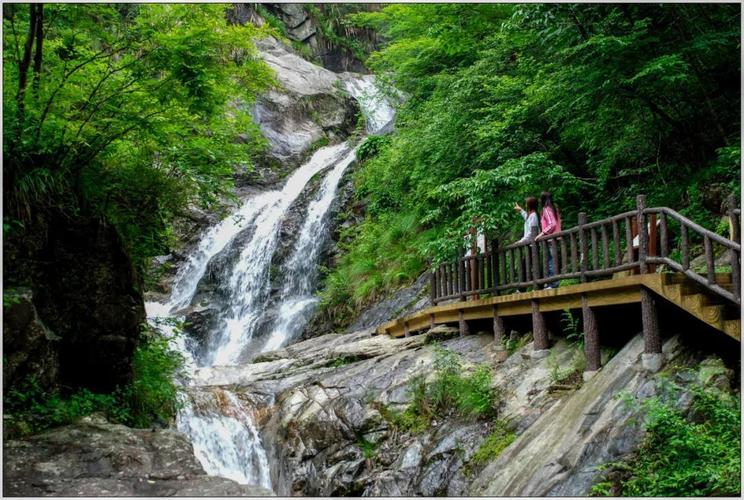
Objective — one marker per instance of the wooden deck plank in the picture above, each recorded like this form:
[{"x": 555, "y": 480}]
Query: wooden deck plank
[{"x": 674, "y": 287}]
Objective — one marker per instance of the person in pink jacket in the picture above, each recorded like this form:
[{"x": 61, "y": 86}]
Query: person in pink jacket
[{"x": 550, "y": 222}]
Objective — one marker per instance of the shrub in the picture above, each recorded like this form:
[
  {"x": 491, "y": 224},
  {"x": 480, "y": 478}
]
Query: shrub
[
  {"x": 153, "y": 394},
  {"x": 33, "y": 410},
  {"x": 151, "y": 397},
  {"x": 694, "y": 455},
  {"x": 448, "y": 393},
  {"x": 570, "y": 374}
]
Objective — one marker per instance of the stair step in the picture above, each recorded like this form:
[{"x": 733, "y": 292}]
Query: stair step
[
  {"x": 673, "y": 292},
  {"x": 732, "y": 328},
  {"x": 693, "y": 303},
  {"x": 712, "y": 314}
]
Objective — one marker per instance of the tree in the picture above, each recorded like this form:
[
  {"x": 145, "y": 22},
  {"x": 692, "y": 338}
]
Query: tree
[{"x": 133, "y": 114}]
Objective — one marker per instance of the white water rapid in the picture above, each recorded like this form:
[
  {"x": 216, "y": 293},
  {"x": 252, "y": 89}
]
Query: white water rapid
[
  {"x": 375, "y": 107},
  {"x": 254, "y": 319}
]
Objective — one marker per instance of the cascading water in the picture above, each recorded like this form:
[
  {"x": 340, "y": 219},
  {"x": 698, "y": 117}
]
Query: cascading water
[
  {"x": 300, "y": 273},
  {"x": 249, "y": 285},
  {"x": 220, "y": 426},
  {"x": 225, "y": 439},
  {"x": 375, "y": 108}
]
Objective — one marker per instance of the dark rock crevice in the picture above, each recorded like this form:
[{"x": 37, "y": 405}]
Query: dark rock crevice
[{"x": 83, "y": 293}]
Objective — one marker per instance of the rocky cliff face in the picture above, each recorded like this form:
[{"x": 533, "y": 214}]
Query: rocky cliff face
[
  {"x": 323, "y": 409},
  {"x": 303, "y": 26},
  {"x": 79, "y": 307},
  {"x": 310, "y": 105}
]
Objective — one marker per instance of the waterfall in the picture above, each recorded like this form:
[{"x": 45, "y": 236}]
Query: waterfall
[
  {"x": 300, "y": 273},
  {"x": 375, "y": 108},
  {"x": 249, "y": 284},
  {"x": 225, "y": 439},
  {"x": 221, "y": 428}
]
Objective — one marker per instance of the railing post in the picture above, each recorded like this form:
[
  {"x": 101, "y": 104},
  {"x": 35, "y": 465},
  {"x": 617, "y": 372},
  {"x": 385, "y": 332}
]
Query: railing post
[
  {"x": 734, "y": 257},
  {"x": 710, "y": 260},
  {"x": 642, "y": 233},
  {"x": 684, "y": 243},
  {"x": 495, "y": 265},
  {"x": 461, "y": 274},
  {"x": 591, "y": 338},
  {"x": 664, "y": 235},
  {"x": 535, "y": 261},
  {"x": 583, "y": 246},
  {"x": 732, "y": 205},
  {"x": 433, "y": 285}
]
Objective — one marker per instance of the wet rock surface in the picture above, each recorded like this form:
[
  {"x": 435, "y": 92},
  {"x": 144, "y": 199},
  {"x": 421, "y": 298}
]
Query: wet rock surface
[
  {"x": 322, "y": 407},
  {"x": 309, "y": 106},
  {"x": 96, "y": 458},
  {"x": 407, "y": 300}
]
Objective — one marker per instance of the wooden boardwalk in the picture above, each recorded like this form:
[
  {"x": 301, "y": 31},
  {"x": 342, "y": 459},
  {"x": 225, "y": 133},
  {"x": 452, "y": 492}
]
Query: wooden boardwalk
[
  {"x": 640, "y": 256},
  {"x": 676, "y": 288}
]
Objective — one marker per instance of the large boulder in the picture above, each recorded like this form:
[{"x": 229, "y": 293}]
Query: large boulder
[
  {"x": 96, "y": 458},
  {"x": 89, "y": 294},
  {"x": 308, "y": 107},
  {"x": 30, "y": 346},
  {"x": 80, "y": 312}
]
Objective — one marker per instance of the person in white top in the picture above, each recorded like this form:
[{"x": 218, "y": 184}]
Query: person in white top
[
  {"x": 530, "y": 218},
  {"x": 530, "y": 221}
]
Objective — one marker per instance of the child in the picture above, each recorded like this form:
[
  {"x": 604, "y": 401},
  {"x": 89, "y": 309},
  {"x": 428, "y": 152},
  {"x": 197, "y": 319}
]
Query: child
[
  {"x": 530, "y": 224},
  {"x": 530, "y": 218}
]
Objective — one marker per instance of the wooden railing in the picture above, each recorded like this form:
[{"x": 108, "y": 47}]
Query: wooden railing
[{"x": 593, "y": 250}]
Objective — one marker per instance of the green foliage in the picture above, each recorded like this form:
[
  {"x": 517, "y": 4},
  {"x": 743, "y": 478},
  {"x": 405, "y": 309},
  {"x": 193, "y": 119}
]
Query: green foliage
[
  {"x": 500, "y": 437},
  {"x": 572, "y": 281},
  {"x": 344, "y": 360},
  {"x": 33, "y": 410},
  {"x": 593, "y": 102},
  {"x": 10, "y": 297},
  {"x": 513, "y": 344},
  {"x": 697, "y": 455},
  {"x": 337, "y": 30},
  {"x": 132, "y": 115},
  {"x": 368, "y": 447},
  {"x": 151, "y": 397},
  {"x": 449, "y": 392},
  {"x": 572, "y": 328},
  {"x": 567, "y": 373},
  {"x": 379, "y": 255},
  {"x": 371, "y": 146}
]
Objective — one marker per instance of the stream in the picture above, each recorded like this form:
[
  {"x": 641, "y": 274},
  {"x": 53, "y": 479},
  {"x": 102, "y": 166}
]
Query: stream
[{"x": 253, "y": 320}]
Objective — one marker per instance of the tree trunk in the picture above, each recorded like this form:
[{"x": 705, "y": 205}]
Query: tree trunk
[
  {"x": 39, "y": 45},
  {"x": 25, "y": 62}
]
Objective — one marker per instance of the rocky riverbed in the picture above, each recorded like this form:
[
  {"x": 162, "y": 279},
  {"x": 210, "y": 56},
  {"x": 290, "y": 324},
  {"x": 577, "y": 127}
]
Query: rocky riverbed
[
  {"x": 322, "y": 406},
  {"x": 97, "y": 458}
]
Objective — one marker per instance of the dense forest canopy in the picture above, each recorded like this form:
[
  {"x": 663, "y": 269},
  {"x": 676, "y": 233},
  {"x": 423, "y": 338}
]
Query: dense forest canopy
[
  {"x": 128, "y": 112},
  {"x": 596, "y": 103}
]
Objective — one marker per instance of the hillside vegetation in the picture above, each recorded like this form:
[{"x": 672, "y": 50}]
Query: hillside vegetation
[{"x": 596, "y": 103}]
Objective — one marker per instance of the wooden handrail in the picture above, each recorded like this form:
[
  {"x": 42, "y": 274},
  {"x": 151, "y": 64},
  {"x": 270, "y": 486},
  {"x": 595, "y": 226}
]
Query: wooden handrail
[{"x": 592, "y": 250}]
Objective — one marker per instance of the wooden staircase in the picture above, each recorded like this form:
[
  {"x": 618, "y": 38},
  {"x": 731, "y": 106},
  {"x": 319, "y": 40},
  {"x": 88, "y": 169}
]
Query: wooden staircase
[{"x": 698, "y": 302}]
